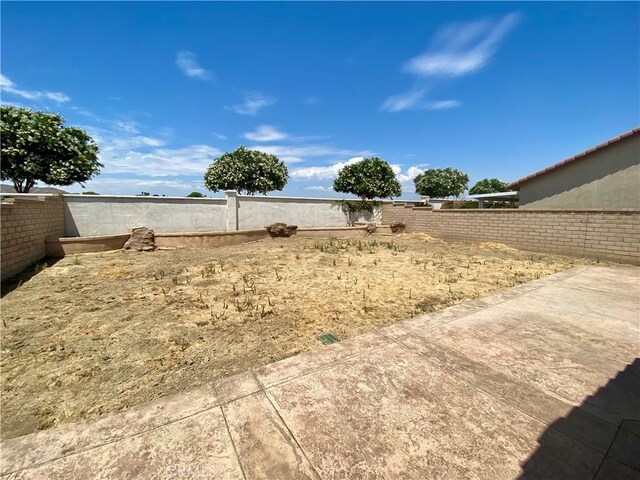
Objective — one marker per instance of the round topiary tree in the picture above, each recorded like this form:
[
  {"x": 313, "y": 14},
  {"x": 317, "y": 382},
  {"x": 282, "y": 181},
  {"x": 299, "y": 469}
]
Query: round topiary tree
[
  {"x": 369, "y": 178},
  {"x": 441, "y": 183},
  {"x": 196, "y": 195},
  {"x": 246, "y": 170},
  {"x": 37, "y": 147},
  {"x": 489, "y": 185}
]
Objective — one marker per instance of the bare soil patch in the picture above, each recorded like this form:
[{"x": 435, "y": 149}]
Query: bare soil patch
[{"x": 100, "y": 332}]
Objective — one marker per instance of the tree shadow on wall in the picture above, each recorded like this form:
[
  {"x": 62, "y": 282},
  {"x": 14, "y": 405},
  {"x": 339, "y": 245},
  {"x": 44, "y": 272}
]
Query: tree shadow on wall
[
  {"x": 598, "y": 440},
  {"x": 10, "y": 284}
]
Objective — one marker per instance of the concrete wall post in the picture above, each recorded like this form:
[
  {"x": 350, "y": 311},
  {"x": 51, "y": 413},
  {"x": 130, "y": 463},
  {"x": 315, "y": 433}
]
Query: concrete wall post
[{"x": 232, "y": 210}]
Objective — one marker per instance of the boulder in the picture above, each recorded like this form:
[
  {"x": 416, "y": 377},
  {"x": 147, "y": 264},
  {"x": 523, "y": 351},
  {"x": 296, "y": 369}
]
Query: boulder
[
  {"x": 282, "y": 230},
  {"x": 397, "y": 227},
  {"x": 141, "y": 240},
  {"x": 371, "y": 228}
]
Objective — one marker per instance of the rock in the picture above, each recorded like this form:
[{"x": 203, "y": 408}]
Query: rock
[
  {"x": 141, "y": 240},
  {"x": 397, "y": 227},
  {"x": 282, "y": 230},
  {"x": 371, "y": 228}
]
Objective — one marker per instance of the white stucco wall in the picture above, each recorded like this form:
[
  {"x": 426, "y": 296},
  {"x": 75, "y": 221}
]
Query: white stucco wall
[
  {"x": 87, "y": 215},
  {"x": 260, "y": 211}
]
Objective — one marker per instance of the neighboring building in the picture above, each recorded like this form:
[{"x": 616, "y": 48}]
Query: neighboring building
[
  {"x": 486, "y": 199},
  {"x": 605, "y": 176}
]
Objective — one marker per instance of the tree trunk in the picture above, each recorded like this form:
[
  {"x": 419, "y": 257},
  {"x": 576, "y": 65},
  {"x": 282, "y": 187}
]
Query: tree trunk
[{"x": 20, "y": 188}]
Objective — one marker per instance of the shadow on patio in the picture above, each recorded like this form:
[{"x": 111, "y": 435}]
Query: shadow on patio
[{"x": 607, "y": 425}]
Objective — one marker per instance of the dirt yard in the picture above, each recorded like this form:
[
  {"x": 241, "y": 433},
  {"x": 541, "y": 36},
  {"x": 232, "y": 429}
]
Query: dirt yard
[{"x": 100, "y": 332}]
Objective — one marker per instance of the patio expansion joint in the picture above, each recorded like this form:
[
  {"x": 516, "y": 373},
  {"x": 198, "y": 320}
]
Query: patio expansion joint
[
  {"x": 324, "y": 366},
  {"x": 500, "y": 399},
  {"x": 103, "y": 444},
  {"x": 289, "y": 431},
  {"x": 233, "y": 444},
  {"x": 540, "y": 283},
  {"x": 606, "y": 455}
]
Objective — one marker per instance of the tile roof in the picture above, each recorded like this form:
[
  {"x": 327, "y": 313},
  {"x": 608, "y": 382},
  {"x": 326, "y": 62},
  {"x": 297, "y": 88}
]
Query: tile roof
[{"x": 617, "y": 139}]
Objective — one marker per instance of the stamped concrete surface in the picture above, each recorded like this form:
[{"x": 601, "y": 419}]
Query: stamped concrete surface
[{"x": 541, "y": 381}]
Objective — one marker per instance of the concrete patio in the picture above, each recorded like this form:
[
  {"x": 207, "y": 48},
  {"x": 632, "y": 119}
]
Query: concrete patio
[{"x": 541, "y": 381}]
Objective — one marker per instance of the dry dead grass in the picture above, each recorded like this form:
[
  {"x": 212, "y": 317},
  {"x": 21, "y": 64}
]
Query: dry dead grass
[{"x": 97, "y": 333}]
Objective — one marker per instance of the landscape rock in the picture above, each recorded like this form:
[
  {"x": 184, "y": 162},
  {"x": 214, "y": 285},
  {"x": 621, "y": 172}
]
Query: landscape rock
[
  {"x": 141, "y": 240},
  {"x": 282, "y": 230},
  {"x": 397, "y": 227},
  {"x": 371, "y": 228}
]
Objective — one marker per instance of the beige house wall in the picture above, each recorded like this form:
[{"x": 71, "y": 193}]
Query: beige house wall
[{"x": 606, "y": 178}]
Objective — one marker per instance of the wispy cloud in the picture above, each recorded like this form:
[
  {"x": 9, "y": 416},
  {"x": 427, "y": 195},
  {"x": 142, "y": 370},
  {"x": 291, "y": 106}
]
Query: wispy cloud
[
  {"x": 444, "y": 104},
  {"x": 123, "y": 149},
  {"x": 318, "y": 188},
  {"x": 456, "y": 50},
  {"x": 265, "y": 133},
  {"x": 252, "y": 104},
  {"x": 7, "y": 86},
  {"x": 462, "y": 48},
  {"x": 219, "y": 135},
  {"x": 404, "y": 101},
  {"x": 188, "y": 63}
]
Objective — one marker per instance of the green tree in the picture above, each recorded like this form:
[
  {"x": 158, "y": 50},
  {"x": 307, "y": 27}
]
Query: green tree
[
  {"x": 441, "y": 182},
  {"x": 89, "y": 192},
  {"x": 37, "y": 147},
  {"x": 369, "y": 178},
  {"x": 488, "y": 185},
  {"x": 196, "y": 195},
  {"x": 246, "y": 170}
]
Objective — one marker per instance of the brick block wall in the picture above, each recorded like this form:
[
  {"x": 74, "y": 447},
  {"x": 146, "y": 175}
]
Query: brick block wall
[
  {"x": 26, "y": 223},
  {"x": 605, "y": 234}
]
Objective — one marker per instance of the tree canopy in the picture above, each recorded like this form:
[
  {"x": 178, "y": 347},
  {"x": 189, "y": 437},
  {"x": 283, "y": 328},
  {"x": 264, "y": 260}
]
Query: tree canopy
[
  {"x": 196, "y": 195},
  {"x": 489, "y": 185},
  {"x": 37, "y": 147},
  {"x": 369, "y": 178},
  {"x": 246, "y": 170},
  {"x": 441, "y": 182}
]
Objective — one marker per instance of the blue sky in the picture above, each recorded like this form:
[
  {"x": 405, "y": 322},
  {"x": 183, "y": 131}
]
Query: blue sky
[{"x": 495, "y": 89}]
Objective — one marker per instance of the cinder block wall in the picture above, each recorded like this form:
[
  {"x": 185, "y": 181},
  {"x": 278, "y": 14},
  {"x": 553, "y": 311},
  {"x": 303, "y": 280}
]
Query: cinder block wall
[
  {"x": 26, "y": 223},
  {"x": 605, "y": 234}
]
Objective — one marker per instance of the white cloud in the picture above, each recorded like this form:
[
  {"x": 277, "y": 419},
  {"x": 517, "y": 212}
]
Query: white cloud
[
  {"x": 455, "y": 50},
  {"x": 124, "y": 150},
  {"x": 128, "y": 126},
  {"x": 161, "y": 162},
  {"x": 266, "y": 133},
  {"x": 253, "y": 103},
  {"x": 188, "y": 63},
  {"x": 331, "y": 171},
  {"x": 300, "y": 153},
  {"x": 404, "y": 101},
  {"x": 219, "y": 135},
  {"x": 322, "y": 173},
  {"x": 462, "y": 49},
  {"x": 318, "y": 188},
  {"x": 444, "y": 104},
  {"x": 408, "y": 176},
  {"x": 6, "y": 85}
]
